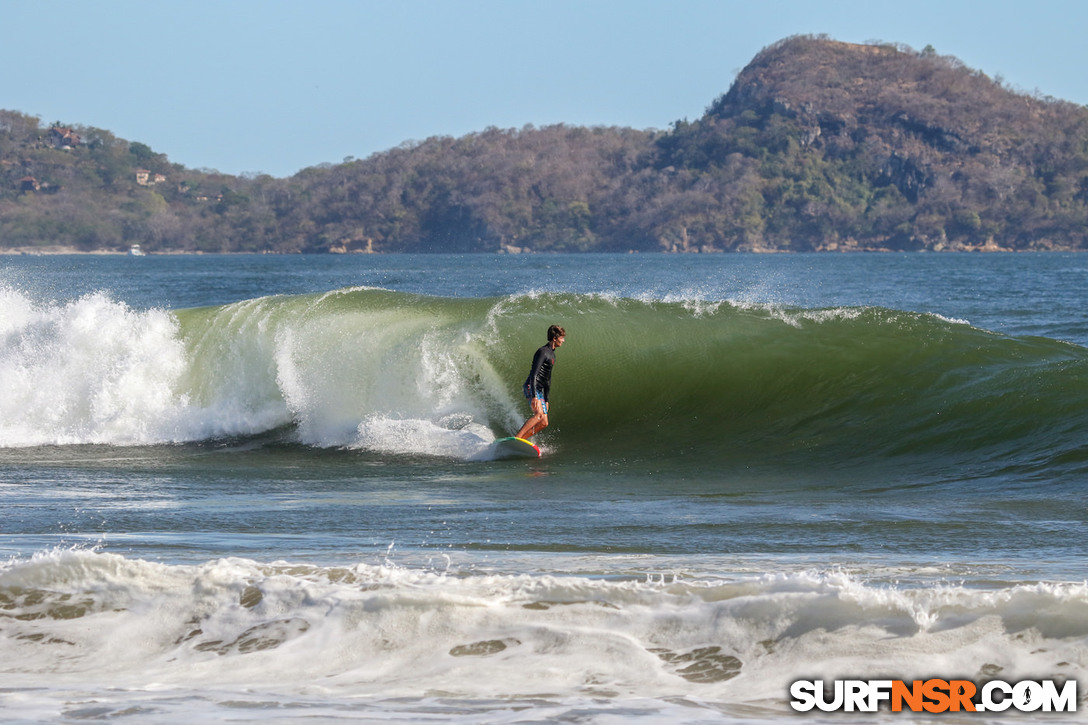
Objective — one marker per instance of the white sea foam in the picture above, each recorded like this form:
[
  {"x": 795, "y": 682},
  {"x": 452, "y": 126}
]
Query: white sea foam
[
  {"x": 96, "y": 371},
  {"x": 89, "y": 371},
  {"x": 141, "y": 634},
  {"x": 422, "y": 437}
]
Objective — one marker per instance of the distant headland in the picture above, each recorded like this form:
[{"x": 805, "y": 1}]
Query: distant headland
[{"x": 817, "y": 146}]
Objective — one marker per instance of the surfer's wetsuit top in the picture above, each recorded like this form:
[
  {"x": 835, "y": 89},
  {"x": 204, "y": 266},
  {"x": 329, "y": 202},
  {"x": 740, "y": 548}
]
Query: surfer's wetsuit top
[{"x": 539, "y": 381}]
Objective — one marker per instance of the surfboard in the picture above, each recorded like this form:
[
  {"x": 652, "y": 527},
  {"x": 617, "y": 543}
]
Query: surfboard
[{"x": 514, "y": 448}]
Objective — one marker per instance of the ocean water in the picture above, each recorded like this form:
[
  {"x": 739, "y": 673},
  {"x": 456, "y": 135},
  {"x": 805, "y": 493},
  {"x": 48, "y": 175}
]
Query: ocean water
[{"x": 257, "y": 488}]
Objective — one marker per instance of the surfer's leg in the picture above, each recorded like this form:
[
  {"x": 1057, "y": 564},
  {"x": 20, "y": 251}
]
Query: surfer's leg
[{"x": 537, "y": 422}]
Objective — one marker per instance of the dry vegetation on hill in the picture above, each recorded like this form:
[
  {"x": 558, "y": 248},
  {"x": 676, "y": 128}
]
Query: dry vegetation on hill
[{"x": 818, "y": 145}]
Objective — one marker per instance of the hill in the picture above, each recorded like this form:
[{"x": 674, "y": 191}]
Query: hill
[
  {"x": 836, "y": 145},
  {"x": 818, "y": 145}
]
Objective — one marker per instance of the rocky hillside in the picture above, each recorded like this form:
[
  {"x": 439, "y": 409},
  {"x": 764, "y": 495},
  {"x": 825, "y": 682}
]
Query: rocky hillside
[
  {"x": 848, "y": 146},
  {"x": 818, "y": 145}
]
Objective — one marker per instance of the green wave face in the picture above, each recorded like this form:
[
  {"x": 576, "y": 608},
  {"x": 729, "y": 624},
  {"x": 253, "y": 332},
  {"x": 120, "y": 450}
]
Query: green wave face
[{"x": 641, "y": 379}]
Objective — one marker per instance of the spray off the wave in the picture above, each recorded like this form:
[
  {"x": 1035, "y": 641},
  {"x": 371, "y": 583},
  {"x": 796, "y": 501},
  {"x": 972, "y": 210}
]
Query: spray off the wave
[
  {"x": 400, "y": 379},
  {"x": 90, "y": 371}
]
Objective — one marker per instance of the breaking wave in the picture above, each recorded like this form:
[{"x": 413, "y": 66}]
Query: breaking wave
[{"x": 397, "y": 373}]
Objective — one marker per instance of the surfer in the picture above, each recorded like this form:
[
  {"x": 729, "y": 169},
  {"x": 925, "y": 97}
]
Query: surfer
[{"x": 539, "y": 382}]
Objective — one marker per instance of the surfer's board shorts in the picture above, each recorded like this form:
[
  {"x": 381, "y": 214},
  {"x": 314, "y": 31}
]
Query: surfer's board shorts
[{"x": 539, "y": 396}]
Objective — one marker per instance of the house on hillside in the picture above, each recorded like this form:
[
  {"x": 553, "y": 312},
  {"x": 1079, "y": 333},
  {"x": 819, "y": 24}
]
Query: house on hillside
[
  {"x": 29, "y": 183},
  {"x": 146, "y": 178},
  {"x": 63, "y": 138}
]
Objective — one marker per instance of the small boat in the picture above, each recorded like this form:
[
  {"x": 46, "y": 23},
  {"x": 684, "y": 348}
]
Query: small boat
[{"x": 135, "y": 251}]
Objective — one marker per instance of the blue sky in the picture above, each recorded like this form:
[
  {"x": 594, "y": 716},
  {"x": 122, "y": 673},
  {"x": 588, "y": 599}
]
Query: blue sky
[{"x": 270, "y": 86}]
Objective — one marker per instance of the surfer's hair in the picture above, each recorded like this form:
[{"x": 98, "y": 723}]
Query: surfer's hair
[{"x": 555, "y": 331}]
